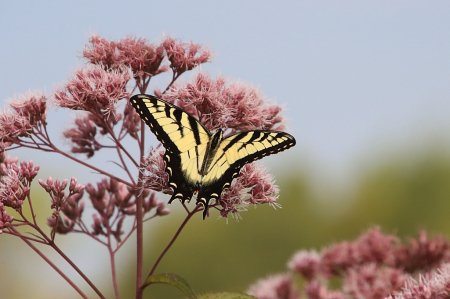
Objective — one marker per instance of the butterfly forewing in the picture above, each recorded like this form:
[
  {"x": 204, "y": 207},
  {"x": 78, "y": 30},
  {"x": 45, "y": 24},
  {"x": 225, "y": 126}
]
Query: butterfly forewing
[{"x": 183, "y": 137}]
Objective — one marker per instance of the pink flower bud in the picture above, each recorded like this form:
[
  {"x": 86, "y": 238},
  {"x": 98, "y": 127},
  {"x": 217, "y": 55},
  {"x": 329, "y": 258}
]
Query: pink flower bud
[
  {"x": 161, "y": 210},
  {"x": 45, "y": 185},
  {"x": 64, "y": 184},
  {"x": 73, "y": 182}
]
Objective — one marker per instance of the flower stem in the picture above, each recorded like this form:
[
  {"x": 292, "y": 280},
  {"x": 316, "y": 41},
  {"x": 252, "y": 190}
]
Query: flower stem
[
  {"x": 113, "y": 268},
  {"x": 173, "y": 240},
  {"x": 67, "y": 259},
  {"x": 53, "y": 265},
  {"x": 139, "y": 223}
]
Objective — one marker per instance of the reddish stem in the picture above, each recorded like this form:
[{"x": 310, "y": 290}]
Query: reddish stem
[
  {"x": 52, "y": 265},
  {"x": 139, "y": 223},
  {"x": 66, "y": 258},
  {"x": 113, "y": 265},
  {"x": 173, "y": 240}
]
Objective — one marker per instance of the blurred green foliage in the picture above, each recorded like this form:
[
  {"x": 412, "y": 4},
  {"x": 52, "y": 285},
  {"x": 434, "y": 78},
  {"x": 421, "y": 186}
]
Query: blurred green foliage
[{"x": 401, "y": 193}]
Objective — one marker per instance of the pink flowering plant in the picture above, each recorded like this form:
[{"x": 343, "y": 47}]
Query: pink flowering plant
[
  {"x": 373, "y": 266},
  {"x": 100, "y": 92}
]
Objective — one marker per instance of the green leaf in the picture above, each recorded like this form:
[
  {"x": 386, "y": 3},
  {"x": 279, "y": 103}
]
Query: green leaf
[
  {"x": 174, "y": 280},
  {"x": 224, "y": 295}
]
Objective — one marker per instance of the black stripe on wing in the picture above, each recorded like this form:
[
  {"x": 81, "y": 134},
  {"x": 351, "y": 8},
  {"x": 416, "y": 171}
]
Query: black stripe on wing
[
  {"x": 164, "y": 118},
  {"x": 255, "y": 145},
  {"x": 178, "y": 132}
]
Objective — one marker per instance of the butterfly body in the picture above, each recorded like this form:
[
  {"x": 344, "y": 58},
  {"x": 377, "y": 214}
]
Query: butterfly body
[{"x": 198, "y": 162}]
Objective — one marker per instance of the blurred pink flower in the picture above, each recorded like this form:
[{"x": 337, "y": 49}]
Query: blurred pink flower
[
  {"x": 372, "y": 246},
  {"x": 423, "y": 253},
  {"x": 374, "y": 266},
  {"x": 316, "y": 290},
  {"x": 372, "y": 281},
  {"x": 435, "y": 285},
  {"x": 305, "y": 262},
  {"x": 280, "y": 286}
]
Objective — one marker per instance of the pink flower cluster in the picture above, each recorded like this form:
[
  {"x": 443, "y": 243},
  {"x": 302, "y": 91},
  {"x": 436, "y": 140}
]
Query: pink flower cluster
[
  {"x": 94, "y": 89},
  {"x": 112, "y": 200},
  {"x": 217, "y": 103},
  {"x": 253, "y": 186},
  {"x": 30, "y": 111},
  {"x": 145, "y": 59},
  {"x": 15, "y": 181},
  {"x": 83, "y": 135},
  {"x": 373, "y": 266},
  {"x": 183, "y": 56},
  {"x": 155, "y": 177},
  {"x": 141, "y": 56}
]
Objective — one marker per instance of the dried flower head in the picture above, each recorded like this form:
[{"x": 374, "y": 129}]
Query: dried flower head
[{"x": 67, "y": 208}]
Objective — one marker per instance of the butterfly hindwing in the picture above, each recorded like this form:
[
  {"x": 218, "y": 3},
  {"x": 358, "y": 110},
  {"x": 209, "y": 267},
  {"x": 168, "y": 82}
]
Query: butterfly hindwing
[{"x": 183, "y": 137}]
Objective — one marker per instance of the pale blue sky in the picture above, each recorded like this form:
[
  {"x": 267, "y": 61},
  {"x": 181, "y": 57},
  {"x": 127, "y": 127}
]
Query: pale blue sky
[{"x": 354, "y": 75}]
